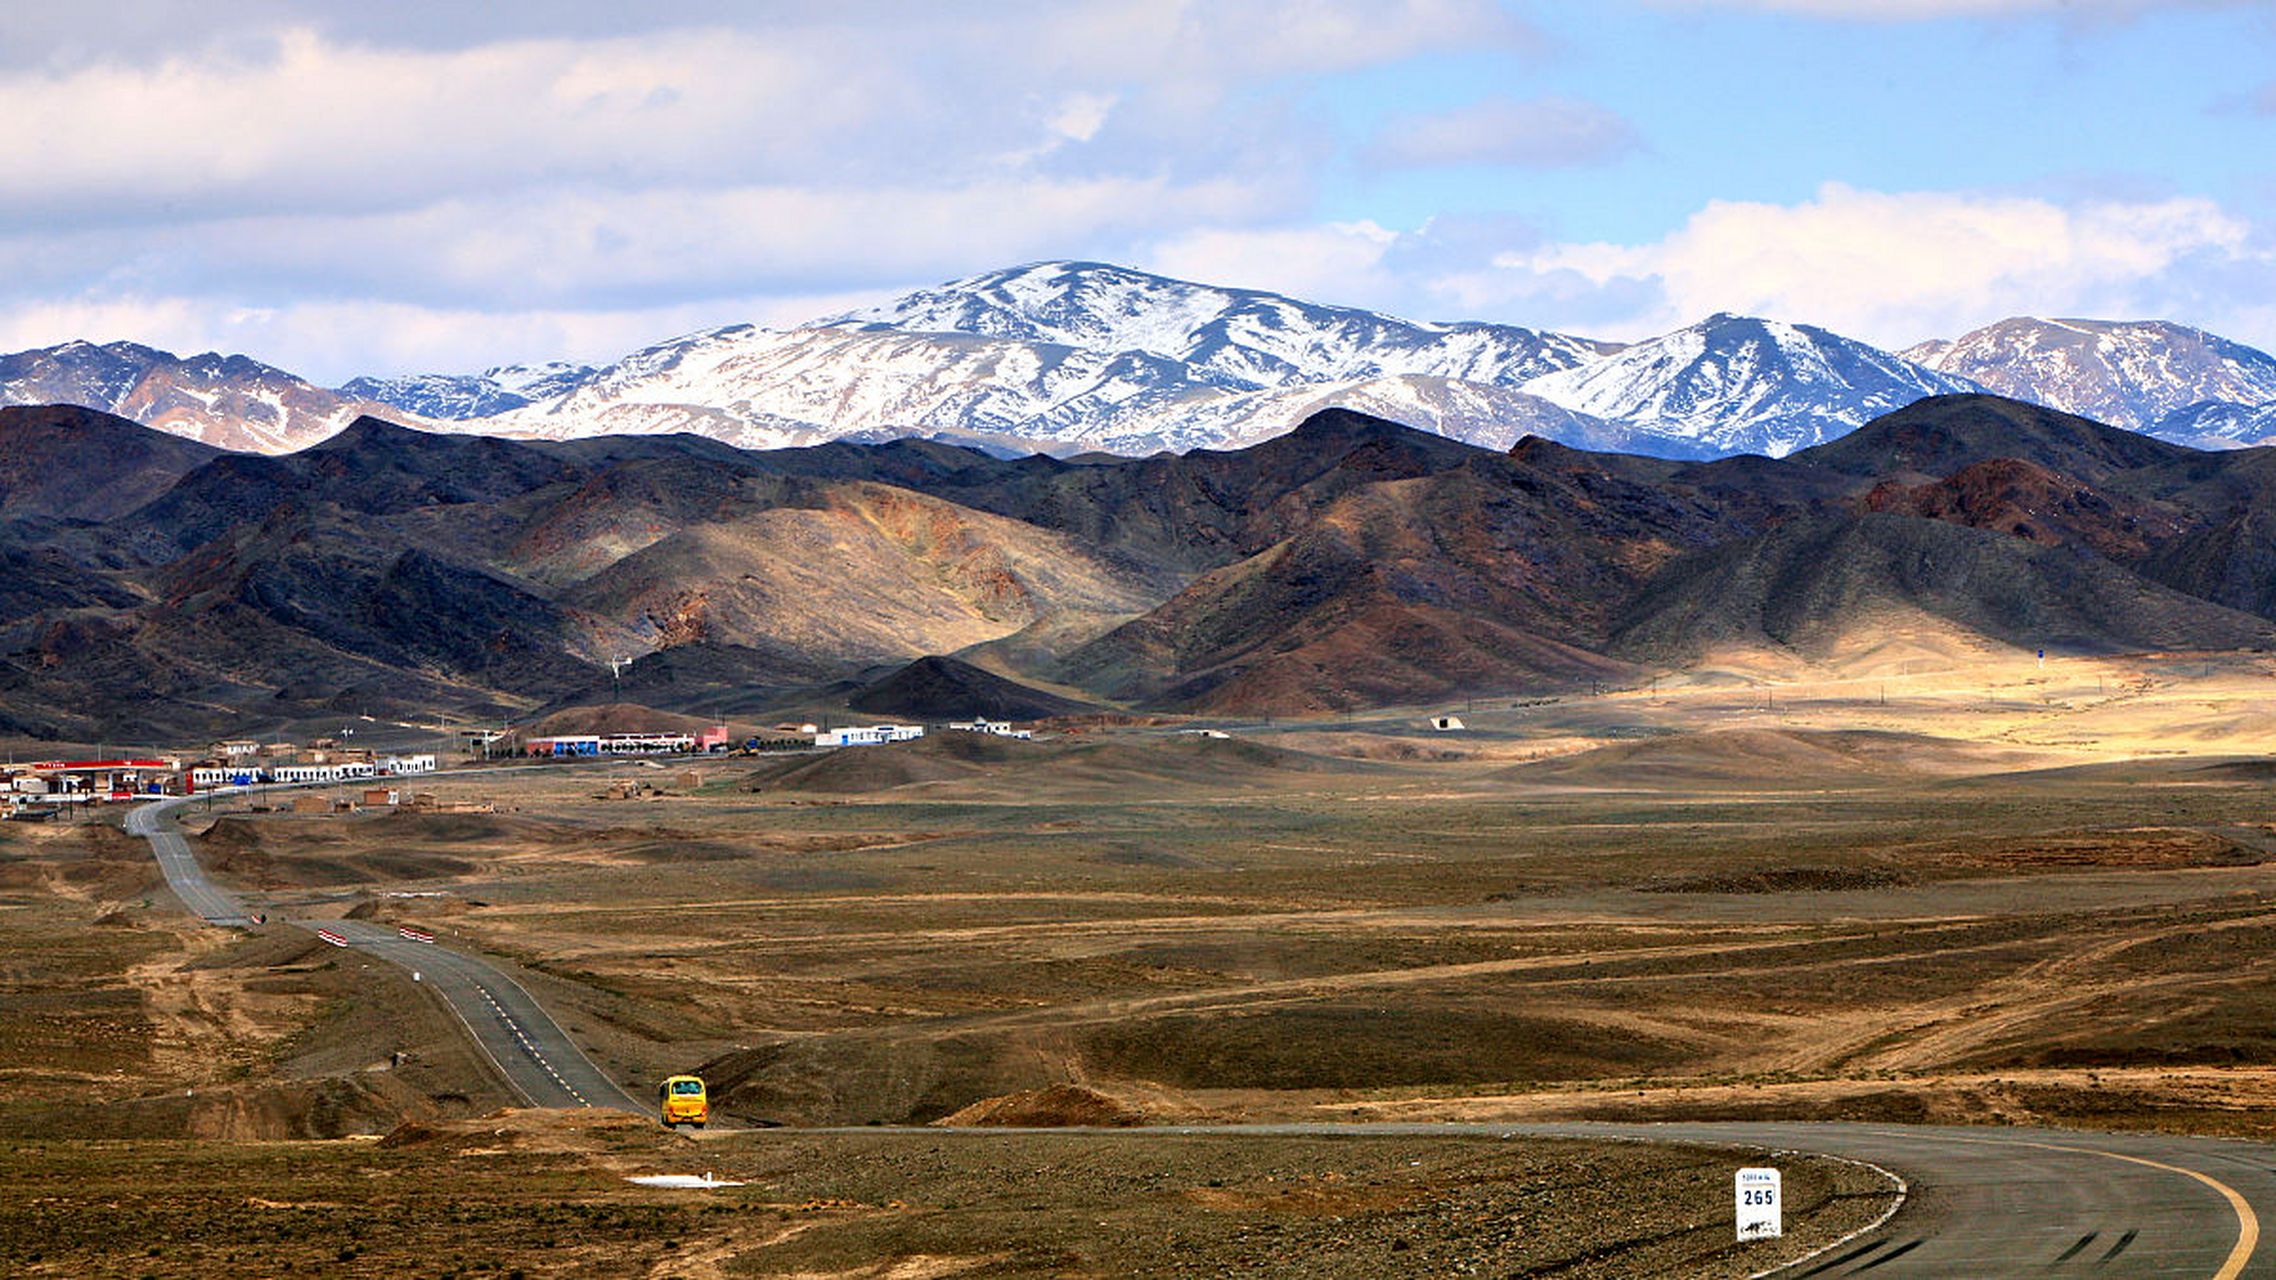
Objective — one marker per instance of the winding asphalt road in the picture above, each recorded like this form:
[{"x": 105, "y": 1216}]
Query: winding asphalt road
[
  {"x": 536, "y": 1057},
  {"x": 2013, "y": 1202}
]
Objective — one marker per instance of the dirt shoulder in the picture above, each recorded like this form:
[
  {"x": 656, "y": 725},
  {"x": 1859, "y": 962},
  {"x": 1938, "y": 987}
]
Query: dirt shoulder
[{"x": 544, "y": 1193}]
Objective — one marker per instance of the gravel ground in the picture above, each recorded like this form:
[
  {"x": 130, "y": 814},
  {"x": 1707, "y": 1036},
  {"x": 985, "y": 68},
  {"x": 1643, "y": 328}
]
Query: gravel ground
[{"x": 543, "y": 1194}]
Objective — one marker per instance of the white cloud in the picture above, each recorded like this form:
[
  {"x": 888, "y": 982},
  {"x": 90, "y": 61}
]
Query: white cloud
[
  {"x": 295, "y": 119},
  {"x": 1889, "y": 268},
  {"x": 1339, "y": 263},
  {"x": 336, "y": 198},
  {"x": 329, "y": 342},
  {"x": 614, "y": 248},
  {"x": 1079, "y": 116},
  {"x": 702, "y": 157},
  {"x": 1893, "y": 268},
  {"x": 1542, "y": 133}
]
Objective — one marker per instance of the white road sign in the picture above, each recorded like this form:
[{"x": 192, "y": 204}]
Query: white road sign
[{"x": 1761, "y": 1204}]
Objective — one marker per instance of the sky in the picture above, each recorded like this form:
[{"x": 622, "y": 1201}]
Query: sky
[{"x": 428, "y": 186}]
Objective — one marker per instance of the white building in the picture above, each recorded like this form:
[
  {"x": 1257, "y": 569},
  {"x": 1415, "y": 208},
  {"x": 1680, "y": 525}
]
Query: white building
[
  {"x": 868, "y": 735},
  {"x": 321, "y": 773},
  {"x": 406, "y": 764},
  {"x": 214, "y": 777},
  {"x": 999, "y": 728},
  {"x": 645, "y": 744}
]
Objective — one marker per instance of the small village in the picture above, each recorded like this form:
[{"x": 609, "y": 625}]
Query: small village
[
  {"x": 51, "y": 788},
  {"x": 48, "y": 789}
]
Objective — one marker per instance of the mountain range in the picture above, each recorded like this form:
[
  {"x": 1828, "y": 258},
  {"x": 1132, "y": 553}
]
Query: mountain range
[
  {"x": 152, "y": 586},
  {"x": 1075, "y": 357}
]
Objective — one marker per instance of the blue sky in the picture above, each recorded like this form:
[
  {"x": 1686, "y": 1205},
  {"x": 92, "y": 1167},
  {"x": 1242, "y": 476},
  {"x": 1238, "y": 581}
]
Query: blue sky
[
  {"x": 342, "y": 189},
  {"x": 1764, "y": 105},
  {"x": 1767, "y": 106}
]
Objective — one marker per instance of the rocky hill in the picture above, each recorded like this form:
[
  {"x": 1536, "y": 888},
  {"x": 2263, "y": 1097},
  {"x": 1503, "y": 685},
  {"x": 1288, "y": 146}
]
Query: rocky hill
[
  {"x": 148, "y": 584},
  {"x": 52, "y": 457},
  {"x": 933, "y": 689}
]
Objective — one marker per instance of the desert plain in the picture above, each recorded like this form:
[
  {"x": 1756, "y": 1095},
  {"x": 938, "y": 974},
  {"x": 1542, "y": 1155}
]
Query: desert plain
[{"x": 1920, "y": 882}]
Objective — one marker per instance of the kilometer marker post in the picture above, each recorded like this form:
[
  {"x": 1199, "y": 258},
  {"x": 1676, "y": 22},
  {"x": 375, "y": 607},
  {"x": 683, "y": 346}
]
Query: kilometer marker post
[{"x": 1760, "y": 1201}]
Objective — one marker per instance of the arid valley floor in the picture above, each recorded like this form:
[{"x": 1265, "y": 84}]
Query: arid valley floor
[{"x": 1959, "y": 888}]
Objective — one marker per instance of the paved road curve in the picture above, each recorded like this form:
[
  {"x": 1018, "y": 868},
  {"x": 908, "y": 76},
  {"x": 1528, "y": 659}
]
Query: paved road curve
[
  {"x": 2015, "y": 1202},
  {"x": 183, "y": 874},
  {"x": 528, "y": 1047},
  {"x": 2005, "y": 1202},
  {"x": 1980, "y": 1202}
]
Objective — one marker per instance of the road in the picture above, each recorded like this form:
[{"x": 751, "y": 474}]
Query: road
[
  {"x": 2001, "y": 1202},
  {"x": 536, "y": 1057},
  {"x": 183, "y": 874},
  {"x": 1990, "y": 1202}
]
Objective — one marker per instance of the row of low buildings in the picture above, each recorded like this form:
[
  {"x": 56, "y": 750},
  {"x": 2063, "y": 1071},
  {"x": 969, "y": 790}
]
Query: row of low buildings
[
  {"x": 222, "y": 776},
  {"x": 567, "y": 746},
  {"x": 48, "y": 785},
  {"x": 996, "y": 728},
  {"x": 577, "y": 745},
  {"x": 876, "y": 734},
  {"x": 45, "y": 786}
]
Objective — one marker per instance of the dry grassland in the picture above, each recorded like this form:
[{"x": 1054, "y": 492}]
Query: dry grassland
[{"x": 1996, "y": 894}]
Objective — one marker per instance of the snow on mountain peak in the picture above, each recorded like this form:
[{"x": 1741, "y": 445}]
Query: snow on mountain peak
[
  {"x": 1071, "y": 355},
  {"x": 1236, "y": 338},
  {"x": 2131, "y": 373},
  {"x": 1746, "y": 384}
]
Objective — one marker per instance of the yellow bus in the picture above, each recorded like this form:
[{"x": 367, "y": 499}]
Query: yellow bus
[{"x": 682, "y": 1100}]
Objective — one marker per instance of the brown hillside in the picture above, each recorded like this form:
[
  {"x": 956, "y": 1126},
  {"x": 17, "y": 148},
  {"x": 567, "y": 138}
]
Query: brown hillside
[
  {"x": 1939, "y": 435},
  {"x": 65, "y": 461},
  {"x": 1806, "y": 586},
  {"x": 617, "y": 717},
  {"x": 2010, "y": 495},
  {"x": 875, "y": 574},
  {"x": 1492, "y": 577}
]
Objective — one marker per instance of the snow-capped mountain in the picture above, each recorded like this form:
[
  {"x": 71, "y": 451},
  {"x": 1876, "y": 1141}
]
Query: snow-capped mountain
[
  {"x": 2129, "y": 373},
  {"x": 2218, "y": 424},
  {"x": 1741, "y": 385},
  {"x": 1078, "y": 356},
  {"x": 1480, "y": 413},
  {"x": 1074, "y": 356},
  {"x": 763, "y": 388},
  {"x": 1242, "y": 338},
  {"x": 460, "y": 397},
  {"x": 230, "y": 401}
]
